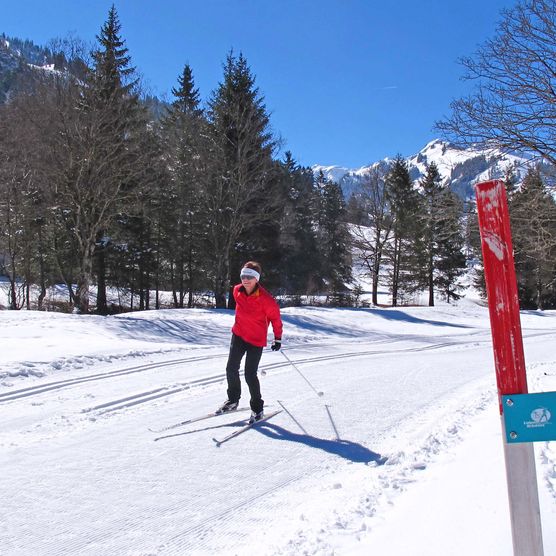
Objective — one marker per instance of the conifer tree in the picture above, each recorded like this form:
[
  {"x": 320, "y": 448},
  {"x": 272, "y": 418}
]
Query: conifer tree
[
  {"x": 97, "y": 154},
  {"x": 185, "y": 225},
  {"x": 298, "y": 242},
  {"x": 430, "y": 219},
  {"x": 237, "y": 196},
  {"x": 403, "y": 206},
  {"x": 187, "y": 101},
  {"x": 450, "y": 261},
  {"x": 533, "y": 217},
  {"x": 437, "y": 259},
  {"x": 333, "y": 238}
]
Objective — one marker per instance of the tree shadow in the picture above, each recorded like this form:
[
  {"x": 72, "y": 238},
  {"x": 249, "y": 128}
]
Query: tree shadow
[
  {"x": 351, "y": 451},
  {"x": 318, "y": 322}
]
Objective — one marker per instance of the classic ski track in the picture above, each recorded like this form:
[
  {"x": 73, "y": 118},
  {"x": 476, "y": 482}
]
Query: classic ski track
[
  {"x": 195, "y": 535},
  {"x": 162, "y": 392},
  {"x": 65, "y": 383},
  {"x": 59, "y": 384},
  {"x": 168, "y": 390}
]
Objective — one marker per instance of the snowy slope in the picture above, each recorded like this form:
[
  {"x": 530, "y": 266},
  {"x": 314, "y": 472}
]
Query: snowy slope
[{"x": 402, "y": 452}]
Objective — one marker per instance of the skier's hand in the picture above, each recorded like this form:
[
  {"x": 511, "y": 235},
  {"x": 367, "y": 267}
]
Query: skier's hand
[{"x": 276, "y": 345}]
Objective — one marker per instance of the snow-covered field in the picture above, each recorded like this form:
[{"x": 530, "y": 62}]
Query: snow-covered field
[{"x": 401, "y": 456}]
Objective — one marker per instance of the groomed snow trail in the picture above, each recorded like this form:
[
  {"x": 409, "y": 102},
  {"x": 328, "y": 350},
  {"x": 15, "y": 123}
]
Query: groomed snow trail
[{"x": 83, "y": 475}]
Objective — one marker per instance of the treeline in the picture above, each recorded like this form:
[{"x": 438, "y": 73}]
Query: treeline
[
  {"x": 96, "y": 192},
  {"x": 410, "y": 238},
  {"x": 426, "y": 239},
  {"x": 102, "y": 187}
]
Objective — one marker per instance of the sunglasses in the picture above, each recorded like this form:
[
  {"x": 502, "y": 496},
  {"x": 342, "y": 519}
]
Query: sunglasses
[{"x": 246, "y": 277}]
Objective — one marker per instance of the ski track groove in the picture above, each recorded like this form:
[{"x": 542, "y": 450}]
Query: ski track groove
[
  {"x": 164, "y": 391},
  {"x": 59, "y": 384},
  {"x": 123, "y": 403}
]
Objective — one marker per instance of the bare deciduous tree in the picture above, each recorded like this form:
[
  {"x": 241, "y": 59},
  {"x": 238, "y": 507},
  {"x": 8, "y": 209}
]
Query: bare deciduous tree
[
  {"x": 370, "y": 242},
  {"x": 513, "y": 106}
]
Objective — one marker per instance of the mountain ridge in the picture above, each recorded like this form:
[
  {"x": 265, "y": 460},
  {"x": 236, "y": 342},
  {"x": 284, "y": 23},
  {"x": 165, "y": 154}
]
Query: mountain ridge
[{"x": 461, "y": 168}]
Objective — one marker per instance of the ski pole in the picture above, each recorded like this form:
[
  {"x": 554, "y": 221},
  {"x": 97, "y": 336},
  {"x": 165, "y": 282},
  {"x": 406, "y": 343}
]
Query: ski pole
[{"x": 304, "y": 377}]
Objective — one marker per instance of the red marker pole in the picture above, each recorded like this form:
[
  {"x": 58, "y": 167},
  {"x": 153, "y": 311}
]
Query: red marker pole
[{"x": 509, "y": 360}]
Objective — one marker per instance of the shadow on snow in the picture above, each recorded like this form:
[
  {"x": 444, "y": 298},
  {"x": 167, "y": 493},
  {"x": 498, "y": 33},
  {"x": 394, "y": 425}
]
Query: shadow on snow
[
  {"x": 346, "y": 449},
  {"x": 351, "y": 451}
]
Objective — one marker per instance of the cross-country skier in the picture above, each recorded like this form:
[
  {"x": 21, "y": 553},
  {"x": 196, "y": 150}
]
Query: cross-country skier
[{"x": 255, "y": 309}]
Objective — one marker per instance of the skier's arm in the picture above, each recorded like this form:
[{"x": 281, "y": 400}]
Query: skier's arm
[{"x": 273, "y": 314}]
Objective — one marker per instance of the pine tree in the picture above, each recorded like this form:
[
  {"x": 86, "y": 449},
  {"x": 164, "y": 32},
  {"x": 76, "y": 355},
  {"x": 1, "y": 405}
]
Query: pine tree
[
  {"x": 99, "y": 155},
  {"x": 437, "y": 257},
  {"x": 187, "y": 101},
  {"x": 185, "y": 225},
  {"x": 450, "y": 262},
  {"x": 430, "y": 220},
  {"x": 533, "y": 217},
  {"x": 238, "y": 196},
  {"x": 298, "y": 242},
  {"x": 334, "y": 241},
  {"x": 112, "y": 74},
  {"x": 403, "y": 206}
]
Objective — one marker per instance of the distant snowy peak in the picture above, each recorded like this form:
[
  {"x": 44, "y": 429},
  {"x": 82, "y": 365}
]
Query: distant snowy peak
[
  {"x": 334, "y": 173},
  {"x": 462, "y": 168}
]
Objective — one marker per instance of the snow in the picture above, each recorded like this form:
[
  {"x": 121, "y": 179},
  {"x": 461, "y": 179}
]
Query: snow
[
  {"x": 461, "y": 168},
  {"x": 334, "y": 173},
  {"x": 402, "y": 455}
]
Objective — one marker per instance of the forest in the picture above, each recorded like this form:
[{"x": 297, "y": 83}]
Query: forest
[{"x": 104, "y": 188}]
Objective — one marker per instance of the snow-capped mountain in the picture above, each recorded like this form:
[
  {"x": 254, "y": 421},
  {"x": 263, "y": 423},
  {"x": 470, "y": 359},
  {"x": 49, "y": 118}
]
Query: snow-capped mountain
[{"x": 462, "y": 168}]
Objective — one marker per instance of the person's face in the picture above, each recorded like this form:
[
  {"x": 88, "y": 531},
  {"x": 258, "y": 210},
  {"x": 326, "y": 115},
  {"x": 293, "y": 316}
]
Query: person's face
[{"x": 249, "y": 283}]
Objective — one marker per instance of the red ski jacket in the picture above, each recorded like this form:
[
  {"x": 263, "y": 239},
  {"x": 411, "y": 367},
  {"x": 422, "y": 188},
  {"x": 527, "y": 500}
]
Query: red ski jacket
[{"x": 253, "y": 314}]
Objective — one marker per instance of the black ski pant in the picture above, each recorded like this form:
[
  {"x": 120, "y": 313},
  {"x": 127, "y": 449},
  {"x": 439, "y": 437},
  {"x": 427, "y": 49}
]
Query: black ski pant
[{"x": 239, "y": 348}]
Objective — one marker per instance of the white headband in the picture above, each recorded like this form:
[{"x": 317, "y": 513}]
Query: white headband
[{"x": 250, "y": 272}]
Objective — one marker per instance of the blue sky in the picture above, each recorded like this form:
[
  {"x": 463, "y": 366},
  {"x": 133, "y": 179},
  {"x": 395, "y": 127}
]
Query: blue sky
[{"x": 347, "y": 82}]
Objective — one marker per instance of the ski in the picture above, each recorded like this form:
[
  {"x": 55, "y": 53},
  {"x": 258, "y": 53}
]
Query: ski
[
  {"x": 245, "y": 428},
  {"x": 196, "y": 419}
]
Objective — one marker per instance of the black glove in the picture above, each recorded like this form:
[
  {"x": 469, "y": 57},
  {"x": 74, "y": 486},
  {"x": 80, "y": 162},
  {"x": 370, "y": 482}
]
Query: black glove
[{"x": 276, "y": 345}]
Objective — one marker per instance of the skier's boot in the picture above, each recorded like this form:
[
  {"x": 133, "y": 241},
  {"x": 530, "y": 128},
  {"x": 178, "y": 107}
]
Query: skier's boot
[
  {"x": 256, "y": 416},
  {"x": 226, "y": 407}
]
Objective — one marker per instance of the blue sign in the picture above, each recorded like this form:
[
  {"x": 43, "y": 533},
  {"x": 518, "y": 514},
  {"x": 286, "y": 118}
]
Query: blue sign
[{"x": 530, "y": 417}]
